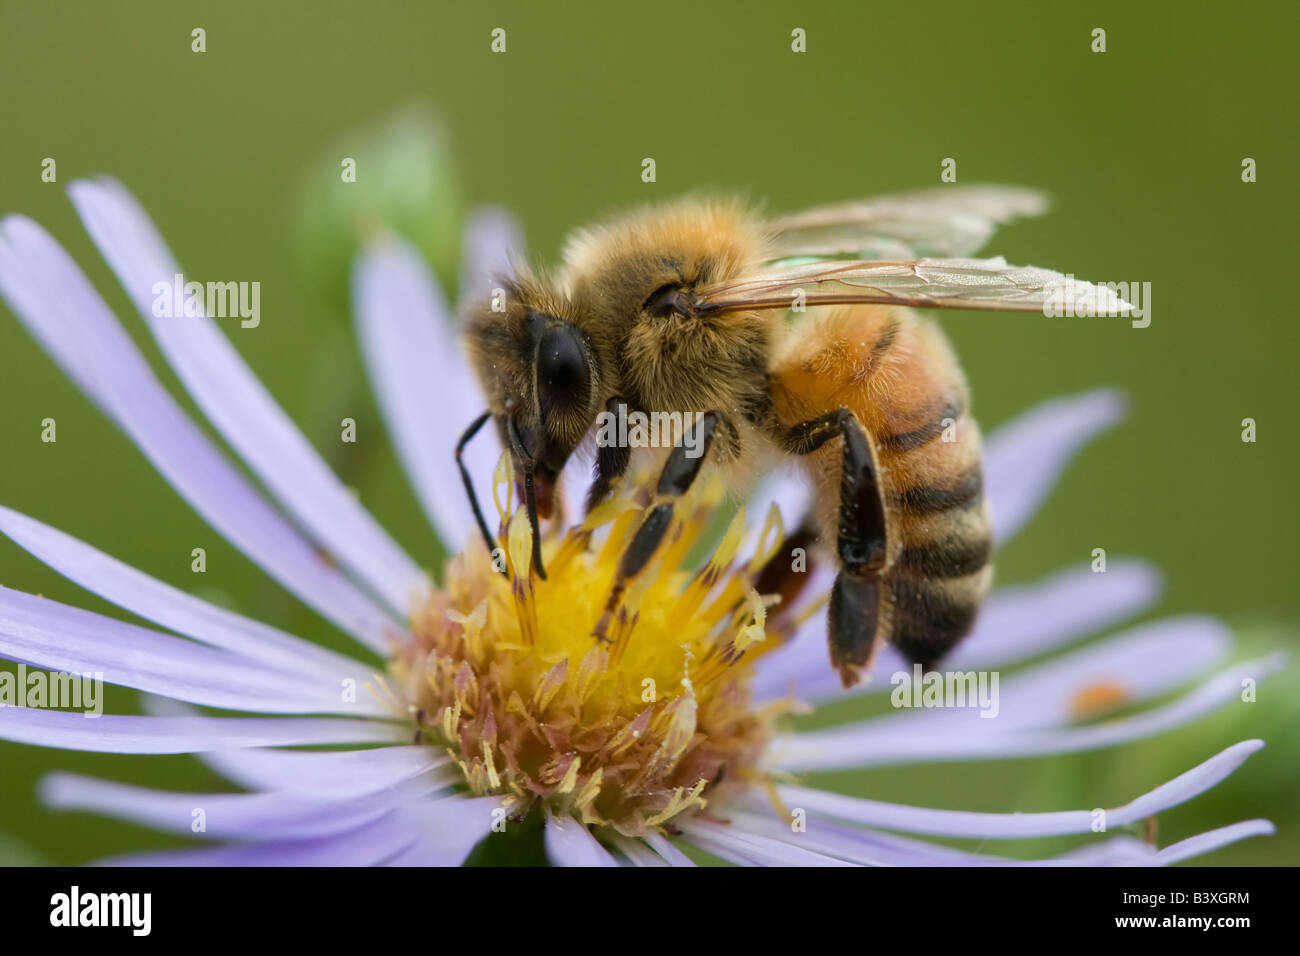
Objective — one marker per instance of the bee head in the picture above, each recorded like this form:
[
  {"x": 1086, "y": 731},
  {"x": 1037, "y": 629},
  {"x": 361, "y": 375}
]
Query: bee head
[
  {"x": 543, "y": 426},
  {"x": 542, "y": 379}
]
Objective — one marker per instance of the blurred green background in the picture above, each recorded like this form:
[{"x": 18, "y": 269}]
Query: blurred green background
[{"x": 1141, "y": 147}]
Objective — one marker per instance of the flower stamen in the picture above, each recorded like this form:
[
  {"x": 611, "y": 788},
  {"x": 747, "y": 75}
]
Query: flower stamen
[{"x": 618, "y": 698}]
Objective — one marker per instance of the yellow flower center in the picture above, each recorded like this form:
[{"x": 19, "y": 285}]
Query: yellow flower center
[{"x": 622, "y": 707}]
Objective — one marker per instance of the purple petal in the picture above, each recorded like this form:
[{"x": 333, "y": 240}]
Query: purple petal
[
  {"x": 493, "y": 242},
  {"x": 636, "y": 852},
  {"x": 961, "y": 823},
  {"x": 846, "y": 746},
  {"x": 788, "y": 489},
  {"x": 170, "y": 607},
  {"x": 739, "y": 846},
  {"x": 1141, "y": 664},
  {"x": 413, "y": 855},
  {"x": 1212, "y": 840},
  {"x": 858, "y": 847},
  {"x": 870, "y": 848},
  {"x": 569, "y": 843},
  {"x": 1024, "y": 459},
  {"x": 55, "y": 636},
  {"x": 424, "y": 386},
  {"x": 228, "y": 816},
  {"x": 447, "y": 829},
  {"x": 366, "y": 845},
  {"x": 1137, "y": 665},
  {"x": 239, "y": 406},
  {"x": 1026, "y": 620},
  {"x": 121, "y": 734},
  {"x": 674, "y": 857},
  {"x": 335, "y": 773},
  {"x": 63, "y": 312},
  {"x": 842, "y": 843},
  {"x": 1121, "y": 850}
]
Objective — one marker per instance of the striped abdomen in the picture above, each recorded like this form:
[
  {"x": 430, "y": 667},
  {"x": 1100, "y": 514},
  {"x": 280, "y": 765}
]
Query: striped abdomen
[{"x": 897, "y": 374}]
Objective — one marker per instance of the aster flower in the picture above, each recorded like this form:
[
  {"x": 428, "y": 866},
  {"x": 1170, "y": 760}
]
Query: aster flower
[{"x": 495, "y": 701}]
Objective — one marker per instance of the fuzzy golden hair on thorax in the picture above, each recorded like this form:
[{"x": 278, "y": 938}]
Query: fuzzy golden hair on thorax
[{"x": 693, "y": 241}]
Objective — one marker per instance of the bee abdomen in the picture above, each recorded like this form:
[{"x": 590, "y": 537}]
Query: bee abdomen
[
  {"x": 964, "y": 493},
  {"x": 911, "y": 439},
  {"x": 940, "y": 570},
  {"x": 958, "y": 555},
  {"x": 930, "y": 615}
]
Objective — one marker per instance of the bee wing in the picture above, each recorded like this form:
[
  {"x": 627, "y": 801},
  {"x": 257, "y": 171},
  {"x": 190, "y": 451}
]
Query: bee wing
[
  {"x": 944, "y": 221},
  {"x": 987, "y": 284}
]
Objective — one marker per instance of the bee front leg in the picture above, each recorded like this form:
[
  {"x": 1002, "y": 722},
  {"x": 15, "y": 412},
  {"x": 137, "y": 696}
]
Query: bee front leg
[
  {"x": 853, "y": 614},
  {"x": 678, "y": 474},
  {"x": 611, "y": 459}
]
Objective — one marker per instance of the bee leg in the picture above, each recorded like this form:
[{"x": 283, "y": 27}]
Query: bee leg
[
  {"x": 853, "y": 615},
  {"x": 469, "y": 433},
  {"x": 778, "y": 576},
  {"x": 611, "y": 460},
  {"x": 852, "y": 620},
  {"x": 675, "y": 480}
]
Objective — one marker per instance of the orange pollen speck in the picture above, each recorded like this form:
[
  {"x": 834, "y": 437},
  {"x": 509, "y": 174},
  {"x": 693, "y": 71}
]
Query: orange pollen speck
[{"x": 1098, "y": 698}]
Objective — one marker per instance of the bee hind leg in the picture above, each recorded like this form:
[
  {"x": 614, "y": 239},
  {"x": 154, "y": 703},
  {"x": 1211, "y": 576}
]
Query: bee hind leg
[
  {"x": 853, "y": 615},
  {"x": 852, "y": 624}
]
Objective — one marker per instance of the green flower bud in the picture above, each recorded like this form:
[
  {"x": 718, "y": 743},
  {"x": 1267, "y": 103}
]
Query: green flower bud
[{"x": 397, "y": 176}]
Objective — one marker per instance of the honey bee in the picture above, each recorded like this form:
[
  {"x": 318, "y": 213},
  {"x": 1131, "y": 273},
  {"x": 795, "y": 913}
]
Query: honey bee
[{"x": 794, "y": 336}]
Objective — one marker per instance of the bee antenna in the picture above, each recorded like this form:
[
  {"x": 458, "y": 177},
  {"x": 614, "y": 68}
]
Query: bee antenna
[
  {"x": 470, "y": 432},
  {"x": 529, "y": 465}
]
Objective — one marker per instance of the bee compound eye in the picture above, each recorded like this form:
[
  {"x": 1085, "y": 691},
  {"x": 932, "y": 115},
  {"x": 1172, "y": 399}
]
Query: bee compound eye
[{"x": 562, "y": 373}]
